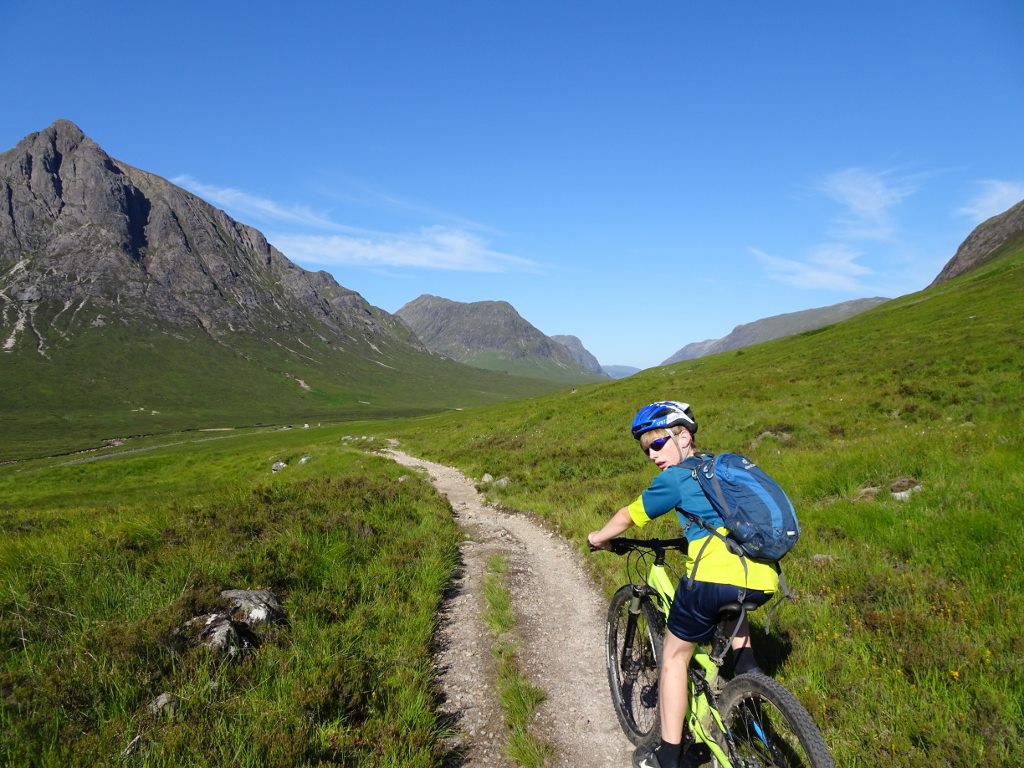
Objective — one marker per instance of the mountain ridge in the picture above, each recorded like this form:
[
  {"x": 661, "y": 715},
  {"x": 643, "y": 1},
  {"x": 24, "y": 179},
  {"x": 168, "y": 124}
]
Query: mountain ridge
[
  {"x": 491, "y": 335},
  {"x": 113, "y": 234},
  {"x": 775, "y": 327},
  {"x": 580, "y": 353}
]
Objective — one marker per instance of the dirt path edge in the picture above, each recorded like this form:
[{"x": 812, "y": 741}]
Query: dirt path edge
[{"x": 560, "y": 624}]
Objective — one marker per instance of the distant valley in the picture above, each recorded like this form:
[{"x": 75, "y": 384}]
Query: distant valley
[{"x": 130, "y": 306}]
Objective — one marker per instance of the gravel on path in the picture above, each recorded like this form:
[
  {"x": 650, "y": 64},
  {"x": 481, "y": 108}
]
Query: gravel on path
[{"x": 560, "y": 619}]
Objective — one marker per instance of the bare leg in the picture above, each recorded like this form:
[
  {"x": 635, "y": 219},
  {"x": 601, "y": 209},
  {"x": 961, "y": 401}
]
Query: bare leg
[
  {"x": 672, "y": 692},
  {"x": 742, "y": 639},
  {"x": 743, "y": 651}
]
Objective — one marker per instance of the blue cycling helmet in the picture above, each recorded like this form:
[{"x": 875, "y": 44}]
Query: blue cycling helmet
[{"x": 662, "y": 415}]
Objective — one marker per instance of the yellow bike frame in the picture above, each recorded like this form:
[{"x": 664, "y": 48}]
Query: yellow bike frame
[{"x": 700, "y": 713}]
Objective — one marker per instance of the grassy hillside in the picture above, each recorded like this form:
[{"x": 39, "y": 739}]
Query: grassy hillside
[
  {"x": 532, "y": 366},
  {"x": 132, "y": 381},
  {"x": 905, "y": 641}
]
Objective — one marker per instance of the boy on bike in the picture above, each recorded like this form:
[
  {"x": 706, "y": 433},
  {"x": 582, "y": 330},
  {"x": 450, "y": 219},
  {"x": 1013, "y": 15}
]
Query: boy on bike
[{"x": 666, "y": 432}]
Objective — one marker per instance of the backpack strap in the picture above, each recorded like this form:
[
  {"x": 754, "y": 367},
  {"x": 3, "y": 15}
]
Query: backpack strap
[
  {"x": 694, "y": 463},
  {"x": 784, "y": 594},
  {"x": 731, "y": 545}
]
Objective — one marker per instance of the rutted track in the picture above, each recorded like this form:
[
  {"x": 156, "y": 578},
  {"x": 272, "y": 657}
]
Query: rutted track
[{"x": 560, "y": 626}]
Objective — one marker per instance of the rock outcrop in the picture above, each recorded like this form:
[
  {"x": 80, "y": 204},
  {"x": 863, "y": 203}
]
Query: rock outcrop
[{"x": 986, "y": 241}]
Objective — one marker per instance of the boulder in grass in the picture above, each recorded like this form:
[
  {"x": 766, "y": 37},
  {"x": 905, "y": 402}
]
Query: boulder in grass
[
  {"x": 229, "y": 630},
  {"x": 254, "y": 606},
  {"x": 164, "y": 705},
  {"x": 903, "y": 488},
  {"x": 218, "y": 632}
]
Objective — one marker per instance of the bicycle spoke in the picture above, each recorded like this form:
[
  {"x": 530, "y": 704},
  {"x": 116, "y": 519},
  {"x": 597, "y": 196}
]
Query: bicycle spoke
[
  {"x": 634, "y": 646},
  {"x": 769, "y": 728}
]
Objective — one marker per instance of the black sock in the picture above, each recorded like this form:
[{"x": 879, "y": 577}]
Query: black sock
[
  {"x": 668, "y": 754},
  {"x": 745, "y": 661}
]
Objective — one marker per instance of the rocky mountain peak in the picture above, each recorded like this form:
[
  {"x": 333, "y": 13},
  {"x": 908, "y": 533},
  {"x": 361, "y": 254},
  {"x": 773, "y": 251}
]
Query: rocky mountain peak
[
  {"x": 61, "y": 138},
  {"x": 985, "y": 242},
  {"x": 83, "y": 229}
]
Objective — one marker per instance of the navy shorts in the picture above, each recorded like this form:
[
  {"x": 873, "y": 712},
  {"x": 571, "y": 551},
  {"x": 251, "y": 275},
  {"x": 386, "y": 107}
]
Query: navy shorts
[{"x": 694, "y": 612}]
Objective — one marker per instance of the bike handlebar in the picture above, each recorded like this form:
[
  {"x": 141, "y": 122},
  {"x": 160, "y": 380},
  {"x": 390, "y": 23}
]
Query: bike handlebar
[{"x": 621, "y": 545}]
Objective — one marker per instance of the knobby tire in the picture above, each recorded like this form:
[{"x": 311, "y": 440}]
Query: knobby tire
[
  {"x": 769, "y": 726},
  {"x": 633, "y": 670}
]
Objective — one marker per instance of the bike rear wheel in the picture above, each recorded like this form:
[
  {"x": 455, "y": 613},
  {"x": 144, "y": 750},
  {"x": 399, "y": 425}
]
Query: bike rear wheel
[
  {"x": 633, "y": 645},
  {"x": 769, "y": 726}
]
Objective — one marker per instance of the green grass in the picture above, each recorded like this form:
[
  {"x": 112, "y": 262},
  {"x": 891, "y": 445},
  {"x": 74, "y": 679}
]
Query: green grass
[
  {"x": 519, "y": 697},
  {"x": 91, "y": 592},
  {"x": 905, "y": 641},
  {"x": 128, "y": 381},
  {"x": 533, "y": 367}
]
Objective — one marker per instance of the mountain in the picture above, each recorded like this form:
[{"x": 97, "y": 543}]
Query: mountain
[
  {"x": 988, "y": 240},
  {"x": 775, "y": 327},
  {"x": 103, "y": 240},
  {"x": 493, "y": 336},
  {"x": 619, "y": 371},
  {"x": 130, "y": 305},
  {"x": 579, "y": 353}
]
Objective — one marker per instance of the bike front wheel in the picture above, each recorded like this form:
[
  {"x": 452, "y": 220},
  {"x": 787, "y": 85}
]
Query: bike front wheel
[
  {"x": 633, "y": 639},
  {"x": 769, "y": 727}
]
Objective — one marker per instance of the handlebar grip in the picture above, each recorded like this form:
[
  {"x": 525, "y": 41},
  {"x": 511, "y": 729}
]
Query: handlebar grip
[{"x": 620, "y": 546}]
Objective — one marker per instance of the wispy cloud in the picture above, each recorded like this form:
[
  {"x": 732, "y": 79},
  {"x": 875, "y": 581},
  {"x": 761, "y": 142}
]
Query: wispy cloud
[
  {"x": 244, "y": 205},
  {"x": 314, "y": 238},
  {"x": 994, "y": 197},
  {"x": 375, "y": 198},
  {"x": 867, "y": 201},
  {"x": 867, "y": 198},
  {"x": 428, "y": 248},
  {"x": 831, "y": 267}
]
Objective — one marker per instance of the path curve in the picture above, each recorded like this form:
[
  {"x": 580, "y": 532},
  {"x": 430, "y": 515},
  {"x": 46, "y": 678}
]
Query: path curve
[{"x": 560, "y": 624}]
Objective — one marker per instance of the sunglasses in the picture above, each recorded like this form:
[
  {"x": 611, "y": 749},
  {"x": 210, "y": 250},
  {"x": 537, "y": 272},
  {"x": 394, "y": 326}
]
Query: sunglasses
[{"x": 656, "y": 445}]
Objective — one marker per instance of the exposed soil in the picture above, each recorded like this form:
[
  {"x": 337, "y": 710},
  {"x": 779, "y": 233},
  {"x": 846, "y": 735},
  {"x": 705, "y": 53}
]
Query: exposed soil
[{"x": 560, "y": 619}]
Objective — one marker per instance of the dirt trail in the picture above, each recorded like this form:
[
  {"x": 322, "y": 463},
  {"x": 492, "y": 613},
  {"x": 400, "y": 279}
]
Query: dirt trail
[{"x": 560, "y": 624}]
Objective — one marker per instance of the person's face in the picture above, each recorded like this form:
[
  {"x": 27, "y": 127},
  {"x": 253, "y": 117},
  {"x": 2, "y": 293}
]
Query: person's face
[{"x": 665, "y": 452}]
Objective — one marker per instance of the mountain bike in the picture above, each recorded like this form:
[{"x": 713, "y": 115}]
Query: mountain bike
[{"x": 750, "y": 721}]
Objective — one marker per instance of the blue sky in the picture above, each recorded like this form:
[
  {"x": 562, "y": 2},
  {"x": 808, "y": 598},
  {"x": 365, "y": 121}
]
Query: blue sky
[{"x": 639, "y": 175}]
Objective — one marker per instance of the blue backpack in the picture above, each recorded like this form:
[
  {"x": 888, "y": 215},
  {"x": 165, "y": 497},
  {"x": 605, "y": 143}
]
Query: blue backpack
[{"x": 756, "y": 511}]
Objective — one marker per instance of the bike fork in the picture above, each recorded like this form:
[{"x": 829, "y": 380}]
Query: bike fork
[{"x": 627, "y": 663}]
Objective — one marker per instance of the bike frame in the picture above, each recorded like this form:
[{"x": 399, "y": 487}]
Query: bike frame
[
  {"x": 757, "y": 701},
  {"x": 703, "y": 671}
]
